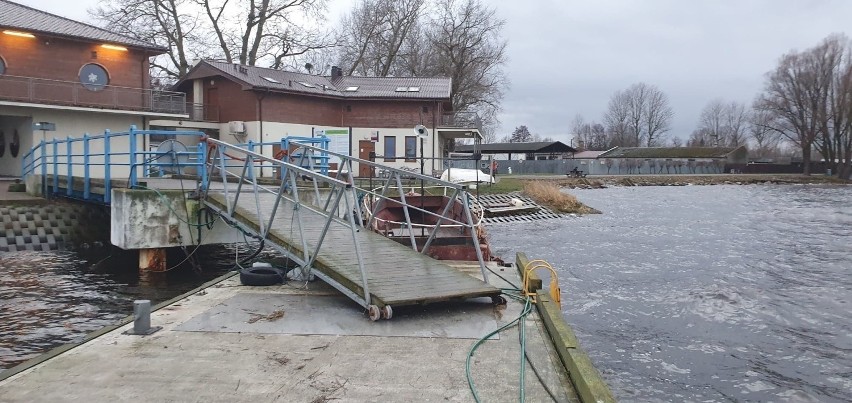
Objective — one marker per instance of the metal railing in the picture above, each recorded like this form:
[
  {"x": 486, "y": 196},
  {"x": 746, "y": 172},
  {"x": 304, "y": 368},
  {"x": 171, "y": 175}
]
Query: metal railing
[
  {"x": 393, "y": 193},
  {"x": 70, "y": 93},
  {"x": 461, "y": 120},
  {"x": 108, "y": 156}
]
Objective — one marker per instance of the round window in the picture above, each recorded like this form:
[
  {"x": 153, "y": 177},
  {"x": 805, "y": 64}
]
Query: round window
[
  {"x": 2, "y": 66},
  {"x": 94, "y": 77}
]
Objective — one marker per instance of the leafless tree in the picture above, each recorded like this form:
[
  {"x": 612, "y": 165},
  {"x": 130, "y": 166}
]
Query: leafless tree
[
  {"x": 736, "y": 123},
  {"x": 638, "y": 116},
  {"x": 676, "y": 142},
  {"x": 765, "y": 139},
  {"x": 797, "y": 93},
  {"x": 251, "y": 32},
  {"x": 723, "y": 124},
  {"x": 374, "y": 34},
  {"x": 616, "y": 120}
]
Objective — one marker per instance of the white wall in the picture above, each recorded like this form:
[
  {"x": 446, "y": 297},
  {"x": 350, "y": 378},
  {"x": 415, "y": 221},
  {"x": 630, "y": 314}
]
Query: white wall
[{"x": 68, "y": 123}]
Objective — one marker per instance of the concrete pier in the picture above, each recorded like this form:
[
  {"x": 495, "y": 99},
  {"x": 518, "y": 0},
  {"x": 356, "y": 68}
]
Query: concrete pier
[{"x": 301, "y": 343}]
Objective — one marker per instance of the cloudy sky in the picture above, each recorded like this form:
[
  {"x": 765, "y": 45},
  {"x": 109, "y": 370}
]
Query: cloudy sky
[{"x": 567, "y": 57}]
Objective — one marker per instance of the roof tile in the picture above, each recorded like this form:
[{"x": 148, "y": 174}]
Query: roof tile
[{"x": 18, "y": 16}]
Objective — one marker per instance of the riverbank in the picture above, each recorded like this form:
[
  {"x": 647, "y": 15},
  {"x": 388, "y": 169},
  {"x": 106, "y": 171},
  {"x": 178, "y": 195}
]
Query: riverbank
[{"x": 515, "y": 183}]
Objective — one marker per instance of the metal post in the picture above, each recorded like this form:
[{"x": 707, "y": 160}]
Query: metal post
[
  {"x": 142, "y": 319},
  {"x": 69, "y": 173},
  {"x": 107, "y": 169},
  {"x": 440, "y": 220},
  {"x": 132, "y": 154},
  {"x": 55, "y": 166},
  {"x": 202, "y": 166},
  {"x": 466, "y": 204},
  {"x": 86, "y": 178},
  {"x": 405, "y": 211},
  {"x": 364, "y": 285},
  {"x": 43, "y": 146}
]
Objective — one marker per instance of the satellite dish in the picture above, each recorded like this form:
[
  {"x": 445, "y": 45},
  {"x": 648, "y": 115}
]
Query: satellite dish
[
  {"x": 169, "y": 158},
  {"x": 421, "y": 131}
]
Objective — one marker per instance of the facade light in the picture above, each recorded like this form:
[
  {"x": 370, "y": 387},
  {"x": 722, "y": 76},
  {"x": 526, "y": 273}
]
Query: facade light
[
  {"x": 114, "y": 47},
  {"x": 19, "y": 33}
]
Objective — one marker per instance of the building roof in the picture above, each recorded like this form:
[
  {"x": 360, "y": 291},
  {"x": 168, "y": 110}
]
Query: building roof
[
  {"x": 349, "y": 87},
  {"x": 588, "y": 154},
  {"x": 541, "y": 147},
  {"x": 20, "y": 17},
  {"x": 669, "y": 152}
]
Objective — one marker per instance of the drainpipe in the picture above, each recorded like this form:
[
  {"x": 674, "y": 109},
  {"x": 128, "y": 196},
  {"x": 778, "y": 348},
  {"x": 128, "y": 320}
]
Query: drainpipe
[{"x": 260, "y": 98}]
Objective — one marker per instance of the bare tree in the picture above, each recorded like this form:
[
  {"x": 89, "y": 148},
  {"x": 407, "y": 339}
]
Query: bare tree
[
  {"x": 638, "y": 116},
  {"x": 251, "y": 32},
  {"x": 736, "y": 122},
  {"x": 796, "y": 93},
  {"x": 760, "y": 130},
  {"x": 616, "y": 120},
  {"x": 374, "y": 35}
]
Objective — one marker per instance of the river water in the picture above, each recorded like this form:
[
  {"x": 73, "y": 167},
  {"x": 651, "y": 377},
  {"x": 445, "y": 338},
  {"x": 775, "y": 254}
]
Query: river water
[
  {"x": 707, "y": 293},
  {"x": 48, "y": 299}
]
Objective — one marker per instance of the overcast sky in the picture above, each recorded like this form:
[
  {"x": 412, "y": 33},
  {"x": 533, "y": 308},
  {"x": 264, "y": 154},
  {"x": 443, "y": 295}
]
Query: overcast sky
[{"x": 568, "y": 57}]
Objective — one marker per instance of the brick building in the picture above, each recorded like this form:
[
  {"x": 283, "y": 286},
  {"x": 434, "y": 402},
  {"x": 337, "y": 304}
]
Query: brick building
[
  {"x": 238, "y": 103},
  {"x": 76, "y": 77}
]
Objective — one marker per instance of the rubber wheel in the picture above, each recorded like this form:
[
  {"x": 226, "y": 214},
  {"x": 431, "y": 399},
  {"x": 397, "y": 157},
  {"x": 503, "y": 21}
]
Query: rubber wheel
[
  {"x": 261, "y": 276},
  {"x": 374, "y": 313},
  {"x": 387, "y": 312},
  {"x": 498, "y": 300}
]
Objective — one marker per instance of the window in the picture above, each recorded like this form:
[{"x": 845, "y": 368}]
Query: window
[
  {"x": 401, "y": 89},
  {"x": 2, "y": 66},
  {"x": 270, "y": 79},
  {"x": 390, "y": 148},
  {"x": 413, "y": 89},
  {"x": 309, "y": 85},
  {"x": 351, "y": 89},
  {"x": 94, "y": 77},
  {"x": 410, "y": 148}
]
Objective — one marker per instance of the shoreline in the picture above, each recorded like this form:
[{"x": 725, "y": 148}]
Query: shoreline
[{"x": 515, "y": 182}]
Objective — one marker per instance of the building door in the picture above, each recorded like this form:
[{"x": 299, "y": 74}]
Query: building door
[{"x": 366, "y": 148}]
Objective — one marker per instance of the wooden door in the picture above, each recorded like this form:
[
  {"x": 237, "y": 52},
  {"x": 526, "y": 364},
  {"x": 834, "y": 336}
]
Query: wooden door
[{"x": 365, "y": 147}]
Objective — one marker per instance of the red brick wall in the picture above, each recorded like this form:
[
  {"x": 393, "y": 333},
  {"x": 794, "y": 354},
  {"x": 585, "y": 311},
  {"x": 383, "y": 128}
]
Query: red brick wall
[
  {"x": 389, "y": 113},
  {"x": 302, "y": 110},
  {"x": 62, "y": 59},
  {"x": 234, "y": 103}
]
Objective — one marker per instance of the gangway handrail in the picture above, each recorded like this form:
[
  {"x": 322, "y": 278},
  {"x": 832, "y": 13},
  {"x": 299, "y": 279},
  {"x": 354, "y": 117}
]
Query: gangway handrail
[
  {"x": 342, "y": 197},
  {"x": 395, "y": 175}
]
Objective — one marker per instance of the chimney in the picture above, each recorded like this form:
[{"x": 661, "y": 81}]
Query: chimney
[{"x": 336, "y": 72}]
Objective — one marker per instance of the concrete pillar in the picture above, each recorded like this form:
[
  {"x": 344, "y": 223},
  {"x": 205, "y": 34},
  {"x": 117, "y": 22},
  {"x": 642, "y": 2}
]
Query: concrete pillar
[{"x": 152, "y": 260}]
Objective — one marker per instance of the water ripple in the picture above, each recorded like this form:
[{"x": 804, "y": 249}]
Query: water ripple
[{"x": 707, "y": 293}]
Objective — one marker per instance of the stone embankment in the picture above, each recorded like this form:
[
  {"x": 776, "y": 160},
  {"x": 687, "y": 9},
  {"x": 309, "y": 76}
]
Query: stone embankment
[{"x": 687, "y": 180}]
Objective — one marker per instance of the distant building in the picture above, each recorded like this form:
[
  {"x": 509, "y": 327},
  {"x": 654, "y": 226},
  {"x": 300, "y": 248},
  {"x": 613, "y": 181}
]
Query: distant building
[
  {"x": 671, "y": 159},
  {"x": 60, "y": 77},
  {"x": 541, "y": 150},
  {"x": 362, "y": 116}
]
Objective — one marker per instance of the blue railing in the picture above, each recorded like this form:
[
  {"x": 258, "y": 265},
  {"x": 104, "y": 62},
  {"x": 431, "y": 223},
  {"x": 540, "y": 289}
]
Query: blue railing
[{"x": 111, "y": 156}]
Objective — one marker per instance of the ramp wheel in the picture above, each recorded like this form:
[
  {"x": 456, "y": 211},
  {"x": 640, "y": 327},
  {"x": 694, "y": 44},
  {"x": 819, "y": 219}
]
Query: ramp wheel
[
  {"x": 374, "y": 313},
  {"x": 387, "y": 312},
  {"x": 498, "y": 300}
]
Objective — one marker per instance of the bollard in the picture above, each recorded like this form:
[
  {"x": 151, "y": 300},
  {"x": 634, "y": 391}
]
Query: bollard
[{"x": 142, "y": 319}]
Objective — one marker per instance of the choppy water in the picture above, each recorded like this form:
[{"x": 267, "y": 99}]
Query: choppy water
[
  {"x": 52, "y": 298},
  {"x": 707, "y": 293}
]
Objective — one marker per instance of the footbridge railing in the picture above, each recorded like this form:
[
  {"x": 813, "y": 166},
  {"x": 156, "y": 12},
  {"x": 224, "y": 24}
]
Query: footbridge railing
[
  {"x": 392, "y": 192},
  {"x": 85, "y": 167}
]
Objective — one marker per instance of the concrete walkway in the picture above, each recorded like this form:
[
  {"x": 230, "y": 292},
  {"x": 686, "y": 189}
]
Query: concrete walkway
[
  {"x": 21, "y": 198},
  {"x": 233, "y": 343}
]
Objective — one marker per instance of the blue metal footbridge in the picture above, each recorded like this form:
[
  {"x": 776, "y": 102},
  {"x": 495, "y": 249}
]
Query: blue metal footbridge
[{"x": 305, "y": 209}]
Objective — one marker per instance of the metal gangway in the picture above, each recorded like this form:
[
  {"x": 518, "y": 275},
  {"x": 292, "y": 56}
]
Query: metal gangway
[{"x": 317, "y": 221}]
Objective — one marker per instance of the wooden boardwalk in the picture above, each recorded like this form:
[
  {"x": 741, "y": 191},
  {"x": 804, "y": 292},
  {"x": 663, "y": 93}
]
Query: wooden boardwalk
[{"x": 396, "y": 274}]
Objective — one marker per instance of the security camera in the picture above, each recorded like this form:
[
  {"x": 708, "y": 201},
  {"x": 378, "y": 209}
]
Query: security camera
[{"x": 421, "y": 131}]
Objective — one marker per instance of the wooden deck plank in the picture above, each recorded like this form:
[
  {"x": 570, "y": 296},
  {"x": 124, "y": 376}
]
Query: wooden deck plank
[{"x": 396, "y": 274}]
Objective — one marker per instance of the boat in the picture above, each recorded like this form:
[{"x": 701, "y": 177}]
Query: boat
[
  {"x": 452, "y": 241},
  {"x": 467, "y": 177}
]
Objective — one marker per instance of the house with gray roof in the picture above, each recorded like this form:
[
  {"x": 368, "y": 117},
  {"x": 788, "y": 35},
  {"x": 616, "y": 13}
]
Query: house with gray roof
[
  {"x": 366, "y": 117},
  {"x": 60, "y": 77},
  {"x": 682, "y": 160}
]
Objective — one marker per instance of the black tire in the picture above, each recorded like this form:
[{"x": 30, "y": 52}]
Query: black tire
[{"x": 261, "y": 276}]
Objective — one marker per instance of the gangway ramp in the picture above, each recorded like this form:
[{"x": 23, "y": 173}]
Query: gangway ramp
[{"x": 327, "y": 238}]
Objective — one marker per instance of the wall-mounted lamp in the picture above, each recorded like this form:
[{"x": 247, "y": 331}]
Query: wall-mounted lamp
[
  {"x": 114, "y": 47},
  {"x": 19, "y": 33}
]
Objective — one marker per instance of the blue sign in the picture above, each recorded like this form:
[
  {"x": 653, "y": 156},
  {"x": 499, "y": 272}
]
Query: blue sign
[{"x": 94, "y": 77}]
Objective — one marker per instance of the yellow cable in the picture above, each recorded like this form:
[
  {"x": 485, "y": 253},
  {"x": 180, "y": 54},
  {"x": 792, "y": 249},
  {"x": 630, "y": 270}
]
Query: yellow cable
[{"x": 555, "y": 291}]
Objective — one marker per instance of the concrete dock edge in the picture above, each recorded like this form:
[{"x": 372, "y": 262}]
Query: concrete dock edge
[
  {"x": 587, "y": 380},
  {"x": 106, "y": 329}
]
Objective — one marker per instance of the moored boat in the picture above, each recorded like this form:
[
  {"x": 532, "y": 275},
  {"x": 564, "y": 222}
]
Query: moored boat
[{"x": 452, "y": 241}]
